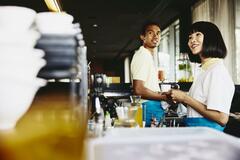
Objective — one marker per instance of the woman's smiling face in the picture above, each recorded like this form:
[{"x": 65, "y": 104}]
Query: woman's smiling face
[{"x": 195, "y": 42}]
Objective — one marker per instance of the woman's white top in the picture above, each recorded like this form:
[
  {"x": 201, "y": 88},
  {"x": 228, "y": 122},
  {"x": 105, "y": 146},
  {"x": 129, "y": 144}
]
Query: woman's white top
[{"x": 213, "y": 87}]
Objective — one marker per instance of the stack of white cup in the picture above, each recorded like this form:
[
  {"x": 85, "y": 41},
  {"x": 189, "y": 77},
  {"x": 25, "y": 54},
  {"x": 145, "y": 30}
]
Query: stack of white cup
[
  {"x": 19, "y": 63},
  {"x": 55, "y": 23},
  {"x": 59, "y": 41}
]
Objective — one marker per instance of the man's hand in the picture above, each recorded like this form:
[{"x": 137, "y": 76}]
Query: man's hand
[{"x": 168, "y": 98}]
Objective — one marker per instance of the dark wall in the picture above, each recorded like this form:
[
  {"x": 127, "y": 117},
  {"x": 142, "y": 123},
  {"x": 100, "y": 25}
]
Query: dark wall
[
  {"x": 108, "y": 67},
  {"x": 38, "y": 5},
  {"x": 233, "y": 125},
  {"x": 185, "y": 22}
]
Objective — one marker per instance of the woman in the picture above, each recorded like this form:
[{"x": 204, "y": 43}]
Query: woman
[{"x": 209, "y": 99}]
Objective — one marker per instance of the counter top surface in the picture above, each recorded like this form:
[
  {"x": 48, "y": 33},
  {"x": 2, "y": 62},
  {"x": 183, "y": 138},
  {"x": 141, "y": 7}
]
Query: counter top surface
[{"x": 164, "y": 143}]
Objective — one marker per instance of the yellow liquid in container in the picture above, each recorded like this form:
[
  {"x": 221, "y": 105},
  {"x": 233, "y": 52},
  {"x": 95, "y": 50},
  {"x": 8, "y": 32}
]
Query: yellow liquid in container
[
  {"x": 139, "y": 117},
  {"x": 128, "y": 123},
  {"x": 53, "y": 129}
]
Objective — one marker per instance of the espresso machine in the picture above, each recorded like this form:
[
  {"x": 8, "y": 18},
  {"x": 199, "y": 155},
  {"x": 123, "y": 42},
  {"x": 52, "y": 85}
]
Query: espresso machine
[{"x": 107, "y": 95}]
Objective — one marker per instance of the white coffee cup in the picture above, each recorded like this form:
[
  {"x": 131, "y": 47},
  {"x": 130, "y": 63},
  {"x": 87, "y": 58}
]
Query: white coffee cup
[{"x": 165, "y": 87}]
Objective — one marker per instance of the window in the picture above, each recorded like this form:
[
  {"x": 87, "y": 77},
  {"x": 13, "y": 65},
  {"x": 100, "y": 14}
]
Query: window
[
  {"x": 169, "y": 50},
  {"x": 237, "y": 34}
]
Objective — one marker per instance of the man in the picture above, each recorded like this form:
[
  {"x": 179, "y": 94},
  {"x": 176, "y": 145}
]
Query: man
[{"x": 144, "y": 72}]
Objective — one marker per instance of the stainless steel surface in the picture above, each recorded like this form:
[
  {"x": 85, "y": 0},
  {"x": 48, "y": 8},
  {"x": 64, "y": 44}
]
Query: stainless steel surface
[{"x": 116, "y": 94}]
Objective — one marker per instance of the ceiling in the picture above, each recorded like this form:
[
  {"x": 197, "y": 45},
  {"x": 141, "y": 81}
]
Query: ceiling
[{"x": 111, "y": 28}]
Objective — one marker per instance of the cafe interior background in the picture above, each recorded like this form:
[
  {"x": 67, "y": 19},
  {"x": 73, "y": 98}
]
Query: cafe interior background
[{"x": 88, "y": 72}]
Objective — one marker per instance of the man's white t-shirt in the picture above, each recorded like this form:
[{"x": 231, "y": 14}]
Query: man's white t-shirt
[
  {"x": 143, "y": 68},
  {"x": 214, "y": 88}
]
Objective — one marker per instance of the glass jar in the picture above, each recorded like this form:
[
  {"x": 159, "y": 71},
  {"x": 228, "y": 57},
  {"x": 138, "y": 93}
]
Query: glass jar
[{"x": 184, "y": 72}]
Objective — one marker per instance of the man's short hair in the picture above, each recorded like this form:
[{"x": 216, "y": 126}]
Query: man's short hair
[{"x": 146, "y": 24}]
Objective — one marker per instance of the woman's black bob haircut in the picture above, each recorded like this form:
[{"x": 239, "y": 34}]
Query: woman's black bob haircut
[{"x": 213, "y": 43}]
